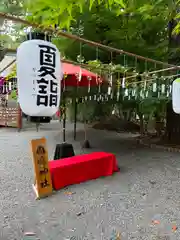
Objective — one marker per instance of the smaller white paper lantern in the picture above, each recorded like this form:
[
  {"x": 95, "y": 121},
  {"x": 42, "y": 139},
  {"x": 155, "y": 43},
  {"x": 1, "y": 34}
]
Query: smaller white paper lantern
[
  {"x": 39, "y": 75},
  {"x": 176, "y": 95}
]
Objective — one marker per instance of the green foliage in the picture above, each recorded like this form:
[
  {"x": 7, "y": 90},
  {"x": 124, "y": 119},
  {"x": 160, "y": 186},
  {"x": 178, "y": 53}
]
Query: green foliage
[
  {"x": 143, "y": 36},
  {"x": 63, "y": 12},
  {"x": 14, "y": 7},
  {"x": 140, "y": 28},
  {"x": 85, "y": 111},
  {"x": 147, "y": 107},
  {"x": 91, "y": 111},
  {"x": 10, "y": 36},
  {"x": 136, "y": 26},
  {"x": 7, "y": 42},
  {"x": 14, "y": 95}
]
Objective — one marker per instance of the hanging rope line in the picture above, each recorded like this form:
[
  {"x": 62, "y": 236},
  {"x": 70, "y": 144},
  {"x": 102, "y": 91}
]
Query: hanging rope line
[
  {"x": 152, "y": 79},
  {"x": 153, "y": 72},
  {"x": 74, "y": 37},
  {"x": 89, "y": 66}
]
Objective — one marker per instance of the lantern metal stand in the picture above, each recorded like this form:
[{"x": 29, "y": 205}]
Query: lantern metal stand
[
  {"x": 81, "y": 59},
  {"x": 37, "y": 126},
  {"x": 64, "y": 149},
  {"x": 86, "y": 144},
  {"x": 75, "y": 115}
]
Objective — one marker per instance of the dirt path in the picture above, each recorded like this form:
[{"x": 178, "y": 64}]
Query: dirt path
[{"x": 146, "y": 190}]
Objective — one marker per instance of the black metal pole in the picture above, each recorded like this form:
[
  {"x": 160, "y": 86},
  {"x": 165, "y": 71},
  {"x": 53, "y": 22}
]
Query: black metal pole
[
  {"x": 64, "y": 121},
  {"x": 75, "y": 116},
  {"x": 64, "y": 149}
]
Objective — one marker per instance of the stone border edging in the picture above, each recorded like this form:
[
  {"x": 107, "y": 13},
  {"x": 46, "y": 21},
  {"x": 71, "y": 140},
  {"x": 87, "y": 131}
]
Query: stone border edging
[{"x": 151, "y": 145}]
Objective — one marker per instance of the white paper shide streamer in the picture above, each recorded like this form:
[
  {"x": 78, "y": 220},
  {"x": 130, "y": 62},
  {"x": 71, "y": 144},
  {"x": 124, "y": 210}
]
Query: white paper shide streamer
[
  {"x": 39, "y": 75},
  {"x": 176, "y": 95}
]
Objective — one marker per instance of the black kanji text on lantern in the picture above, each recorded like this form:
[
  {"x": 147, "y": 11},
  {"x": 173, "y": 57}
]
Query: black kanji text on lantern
[
  {"x": 53, "y": 100},
  {"x": 42, "y": 100},
  {"x": 47, "y": 84},
  {"x": 43, "y": 84},
  {"x": 47, "y": 56},
  {"x": 44, "y": 71},
  {"x": 53, "y": 86}
]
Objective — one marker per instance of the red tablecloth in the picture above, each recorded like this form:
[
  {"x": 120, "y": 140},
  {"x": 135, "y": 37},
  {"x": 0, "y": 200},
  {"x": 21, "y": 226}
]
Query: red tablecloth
[{"x": 81, "y": 168}]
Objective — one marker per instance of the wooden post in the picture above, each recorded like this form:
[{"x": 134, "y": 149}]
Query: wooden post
[{"x": 19, "y": 118}]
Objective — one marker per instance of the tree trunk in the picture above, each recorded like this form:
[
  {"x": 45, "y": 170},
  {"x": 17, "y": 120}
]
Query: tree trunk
[
  {"x": 172, "y": 127},
  {"x": 121, "y": 115},
  {"x": 174, "y": 43},
  {"x": 146, "y": 127},
  {"x": 129, "y": 114},
  {"x": 85, "y": 130},
  {"x": 141, "y": 119}
]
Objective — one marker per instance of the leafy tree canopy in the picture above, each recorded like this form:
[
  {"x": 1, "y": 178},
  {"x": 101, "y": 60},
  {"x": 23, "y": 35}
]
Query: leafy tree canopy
[
  {"x": 137, "y": 34},
  {"x": 63, "y": 12},
  {"x": 14, "y": 7}
]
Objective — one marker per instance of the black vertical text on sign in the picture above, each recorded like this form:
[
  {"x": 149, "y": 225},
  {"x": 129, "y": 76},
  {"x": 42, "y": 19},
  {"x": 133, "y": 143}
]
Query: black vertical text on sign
[
  {"x": 47, "y": 68},
  {"x": 43, "y": 170}
]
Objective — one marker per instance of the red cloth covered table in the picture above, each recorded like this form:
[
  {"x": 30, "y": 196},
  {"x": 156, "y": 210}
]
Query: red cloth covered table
[{"x": 77, "y": 169}]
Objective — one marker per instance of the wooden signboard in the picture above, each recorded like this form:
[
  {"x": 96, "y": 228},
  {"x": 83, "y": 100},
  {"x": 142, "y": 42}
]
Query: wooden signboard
[
  {"x": 8, "y": 117},
  {"x": 43, "y": 183}
]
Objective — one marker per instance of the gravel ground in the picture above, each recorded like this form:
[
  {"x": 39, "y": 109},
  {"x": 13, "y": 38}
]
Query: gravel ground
[{"x": 146, "y": 190}]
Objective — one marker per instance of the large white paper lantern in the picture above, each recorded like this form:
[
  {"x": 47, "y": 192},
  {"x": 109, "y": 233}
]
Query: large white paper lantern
[
  {"x": 176, "y": 95},
  {"x": 39, "y": 75}
]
